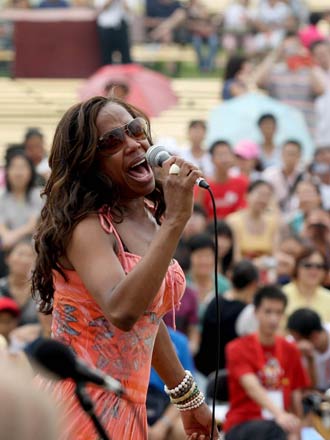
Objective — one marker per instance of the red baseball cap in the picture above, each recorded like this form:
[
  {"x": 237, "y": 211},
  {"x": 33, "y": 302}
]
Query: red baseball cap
[{"x": 9, "y": 305}]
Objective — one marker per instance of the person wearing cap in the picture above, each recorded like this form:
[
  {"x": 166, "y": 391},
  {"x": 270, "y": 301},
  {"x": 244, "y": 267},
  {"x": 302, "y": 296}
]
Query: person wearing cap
[
  {"x": 247, "y": 154},
  {"x": 9, "y": 316}
]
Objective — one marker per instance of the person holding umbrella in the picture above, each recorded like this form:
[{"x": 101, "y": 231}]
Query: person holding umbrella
[{"x": 105, "y": 243}]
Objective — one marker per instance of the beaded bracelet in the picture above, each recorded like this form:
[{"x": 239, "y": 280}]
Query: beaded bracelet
[
  {"x": 183, "y": 387},
  {"x": 195, "y": 403},
  {"x": 191, "y": 392}
]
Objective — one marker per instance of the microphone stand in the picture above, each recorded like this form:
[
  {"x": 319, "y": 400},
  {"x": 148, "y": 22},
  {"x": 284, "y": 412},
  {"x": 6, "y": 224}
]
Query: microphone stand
[{"x": 88, "y": 406}]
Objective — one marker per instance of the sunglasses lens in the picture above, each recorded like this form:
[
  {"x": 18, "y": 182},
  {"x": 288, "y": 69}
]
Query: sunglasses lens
[
  {"x": 137, "y": 128},
  {"x": 112, "y": 140}
]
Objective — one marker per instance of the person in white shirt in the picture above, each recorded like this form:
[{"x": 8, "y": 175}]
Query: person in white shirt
[
  {"x": 112, "y": 25},
  {"x": 285, "y": 177},
  {"x": 195, "y": 152},
  {"x": 313, "y": 339}
]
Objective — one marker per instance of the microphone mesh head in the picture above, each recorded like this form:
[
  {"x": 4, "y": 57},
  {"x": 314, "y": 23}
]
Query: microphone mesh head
[{"x": 156, "y": 155}]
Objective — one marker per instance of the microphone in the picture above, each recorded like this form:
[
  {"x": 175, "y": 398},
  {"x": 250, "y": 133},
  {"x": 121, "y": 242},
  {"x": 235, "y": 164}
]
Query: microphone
[
  {"x": 157, "y": 154},
  {"x": 60, "y": 360}
]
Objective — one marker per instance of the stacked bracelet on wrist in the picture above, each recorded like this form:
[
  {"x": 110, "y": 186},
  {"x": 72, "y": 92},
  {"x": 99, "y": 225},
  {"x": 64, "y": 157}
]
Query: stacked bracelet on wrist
[{"x": 186, "y": 395}]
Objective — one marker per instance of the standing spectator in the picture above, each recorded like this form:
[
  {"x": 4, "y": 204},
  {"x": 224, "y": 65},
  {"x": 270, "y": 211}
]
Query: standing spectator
[
  {"x": 112, "y": 25},
  {"x": 237, "y": 25},
  {"x": 270, "y": 23},
  {"x": 285, "y": 177},
  {"x": 244, "y": 286},
  {"x": 34, "y": 147},
  {"x": 267, "y": 124},
  {"x": 306, "y": 289},
  {"x": 288, "y": 75},
  {"x": 229, "y": 192},
  {"x": 195, "y": 151},
  {"x": 236, "y": 77},
  {"x": 255, "y": 228},
  {"x": 313, "y": 339},
  {"x": 265, "y": 377},
  {"x": 20, "y": 204}
]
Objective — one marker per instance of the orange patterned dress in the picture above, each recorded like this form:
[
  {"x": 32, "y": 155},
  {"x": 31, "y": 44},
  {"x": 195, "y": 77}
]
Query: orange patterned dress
[{"x": 79, "y": 322}]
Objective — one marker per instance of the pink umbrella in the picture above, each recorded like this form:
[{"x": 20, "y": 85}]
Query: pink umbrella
[{"x": 149, "y": 90}]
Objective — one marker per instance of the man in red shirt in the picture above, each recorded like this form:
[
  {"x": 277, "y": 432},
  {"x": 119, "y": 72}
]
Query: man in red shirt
[
  {"x": 229, "y": 192},
  {"x": 265, "y": 377}
]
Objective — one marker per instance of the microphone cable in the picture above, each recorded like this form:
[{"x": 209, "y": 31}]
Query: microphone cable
[{"x": 216, "y": 290}]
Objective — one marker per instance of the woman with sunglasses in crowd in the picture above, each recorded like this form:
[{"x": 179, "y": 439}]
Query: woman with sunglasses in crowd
[
  {"x": 104, "y": 266},
  {"x": 306, "y": 288}
]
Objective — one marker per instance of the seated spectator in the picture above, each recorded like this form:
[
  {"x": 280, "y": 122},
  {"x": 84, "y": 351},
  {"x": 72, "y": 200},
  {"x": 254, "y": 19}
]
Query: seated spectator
[
  {"x": 195, "y": 151},
  {"x": 313, "y": 340},
  {"x": 247, "y": 159},
  {"x": 196, "y": 224},
  {"x": 237, "y": 24},
  {"x": 203, "y": 33},
  {"x": 256, "y": 228},
  {"x": 269, "y": 154},
  {"x": 289, "y": 249},
  {"x": 236, "y": 77},
  {"x": 9, "y": 316},
  {"x": 34, "y": 147},
  {"x": 320, "y": 51},
  {"x": 306, "y": 288},
  {"x": 265, "y": 377},
  {"x": 53, "y": 4},
  {"x": 307, "y": 197},
  {"x": 201, "y": 274},
  {"x": 320, "y": 169},
  {"x": 162, "y": 19},
  {"x": 244, "y": 286},
  {"x": 226, "y": 247},
  {"x": 20, "y": 204},
  {"x": 17, "y": 285},
  {"x": 163, "y": 418},
  {"x": 317, "y": 230},
  {"x": 288, "y": 75},
  {"x": 229, "y": 192},
  {"x": 285, "y": 177}
]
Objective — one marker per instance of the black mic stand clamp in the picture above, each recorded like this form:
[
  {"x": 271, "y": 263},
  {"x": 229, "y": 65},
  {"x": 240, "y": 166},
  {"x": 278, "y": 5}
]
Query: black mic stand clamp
[{"x": 88, "y": 406}]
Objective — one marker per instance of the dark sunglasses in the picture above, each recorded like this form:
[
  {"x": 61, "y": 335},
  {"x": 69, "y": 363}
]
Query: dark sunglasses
[
  {"x": 113, "y": 140},
  {"x": 314, "y": 266}
]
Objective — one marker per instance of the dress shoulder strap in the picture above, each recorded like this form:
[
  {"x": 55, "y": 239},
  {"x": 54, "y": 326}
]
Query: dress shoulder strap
[{"x": 107, "y": 226}]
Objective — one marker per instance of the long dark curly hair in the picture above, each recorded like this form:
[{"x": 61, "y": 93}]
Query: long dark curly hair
[{"x": 76, "y": 188}]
